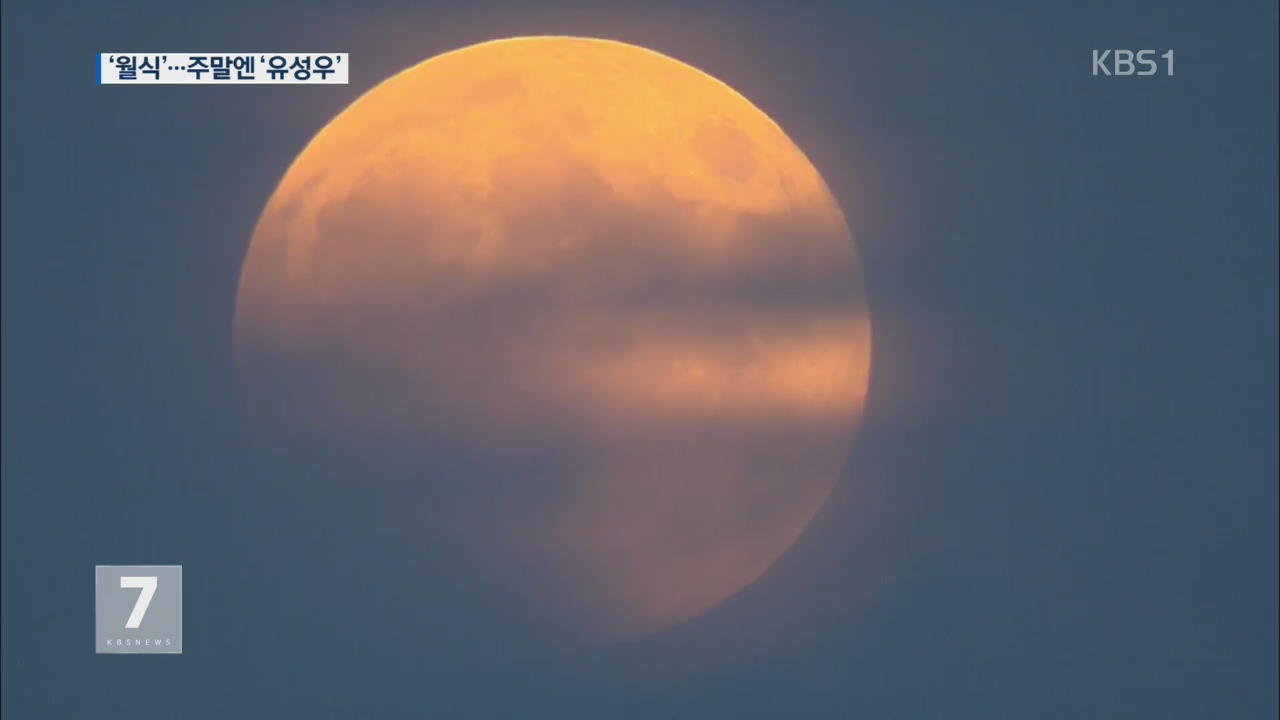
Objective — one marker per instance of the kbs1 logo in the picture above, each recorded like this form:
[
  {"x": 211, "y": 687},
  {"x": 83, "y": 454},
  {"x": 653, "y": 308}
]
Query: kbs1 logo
[
  {"x": 138, "y": 608},
  {"x": 1123, "y": 63}
]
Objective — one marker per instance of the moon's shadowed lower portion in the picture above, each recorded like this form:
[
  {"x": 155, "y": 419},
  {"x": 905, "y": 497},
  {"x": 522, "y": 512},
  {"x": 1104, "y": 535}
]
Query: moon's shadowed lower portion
[{"x": 575, "y": 325}]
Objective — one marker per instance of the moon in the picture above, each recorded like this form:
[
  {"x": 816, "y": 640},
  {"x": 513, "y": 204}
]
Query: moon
[{"x": 593, "y": 313}]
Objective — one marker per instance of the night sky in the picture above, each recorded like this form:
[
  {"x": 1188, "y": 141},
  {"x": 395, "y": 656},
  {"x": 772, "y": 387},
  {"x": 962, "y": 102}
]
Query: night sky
[{"x": 1062, "y": 501}]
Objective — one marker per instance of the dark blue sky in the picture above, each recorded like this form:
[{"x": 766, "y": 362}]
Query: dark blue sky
[{"x": 1063, "y": 501}]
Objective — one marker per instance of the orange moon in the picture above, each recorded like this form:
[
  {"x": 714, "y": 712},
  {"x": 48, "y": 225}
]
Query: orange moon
[{"x": 589, "y": 299}]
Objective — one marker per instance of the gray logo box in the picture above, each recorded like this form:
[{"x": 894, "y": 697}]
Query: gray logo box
[{"x": 138, "y": 609}]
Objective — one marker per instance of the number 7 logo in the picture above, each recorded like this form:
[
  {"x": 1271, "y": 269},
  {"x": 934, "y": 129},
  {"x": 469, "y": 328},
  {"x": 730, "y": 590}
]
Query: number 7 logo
[{"x": 148, "y": 586}]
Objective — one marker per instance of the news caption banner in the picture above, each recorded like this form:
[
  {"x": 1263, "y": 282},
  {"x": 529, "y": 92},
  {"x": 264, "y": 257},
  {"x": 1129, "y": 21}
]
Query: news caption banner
[
  {"x": 222, "y": 68},
  {"x": 138, "y": 609}
]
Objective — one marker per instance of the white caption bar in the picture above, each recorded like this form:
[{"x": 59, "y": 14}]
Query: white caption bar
[{"x": 222, "y": 68}]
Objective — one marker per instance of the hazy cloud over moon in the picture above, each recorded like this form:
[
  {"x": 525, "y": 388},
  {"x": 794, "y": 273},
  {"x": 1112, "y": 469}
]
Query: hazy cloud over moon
[{"x": 586, "y": 270}]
